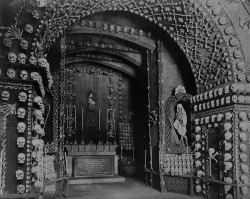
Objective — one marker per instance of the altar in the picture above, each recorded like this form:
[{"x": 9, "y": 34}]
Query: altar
[{"x": 87, "y": 167}]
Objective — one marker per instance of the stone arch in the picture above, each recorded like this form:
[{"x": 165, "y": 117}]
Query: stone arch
[{"x": 203, "y": 32}]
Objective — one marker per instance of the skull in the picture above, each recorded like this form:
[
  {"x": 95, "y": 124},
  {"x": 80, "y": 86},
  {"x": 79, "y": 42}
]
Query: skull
[
  {"x": 197, "y": 146},
  {"x": 7, "y": 42},
  {"x": 202, "y": 120},
  {"x": 38, "y": 100},
  {"x": 244, "y": 179},
  {"x": 213, "y": 117},
  {"x": 226, "y": 89},
  {"x": 229, "y": 196},
  {"x": 198, "y": 188},
  {"x": 208, "y": 105},
  {"x": 197, "y": 163},
  {"x": 228, "y": 146},
  {"x": 20, "y": 142},
  {"x": 197, "y": 129},
  {"x": 233, "y": 41},
  {"x": 34, "y": 75},
  {"x": 243, "y": 147},
  {"x": 243, "y": 126},
  {"x": 228, "y": 99},
  {"x": 216, "y": 92},
  {"x": 19, "y": 175},
  {"x": 22, "y": 97},
  {"x": 35, "y": 14},
  {"x": 11, "y": 73},
  {"x": 32, "y": 60},
  {"x": 222, "y": 101},
  {"x": 227, "y": 188},
  {"x": 200, "y": 107},
  {"x": 243, "y": 157},
  {"x": 197, "y": 137},
  {"x": 21, "y": 158},
  {"x": 197, "y": 121},
  {"x": 22, "y": 58},
  {"x": 228, "y": 135},
  {"x": 219, "y": 117},
  {"x": 21, "y": 112},
  {"x": 234, "y": 87},
  {"x": 5, "y": 95},
  {"x": 228, "y": 166},
  {"x": 206, "y": 120},
  {"x": 200, "y": 173},
  {"x": 24, "y": 75},
  {"x": 243, "y": 136},
  {"x": 140, "y": 32},
  {"x": 197, "y": 155},
  {"x": 227, "y": 126},
  {"x": 212, "y": 103},
  {"x": 228, "y": 30},
  {"x": 37, "y": 143},
  {"x": 237, "y": 54},
  {"x": 244, "y": 190},
  {"x": 228, "y": 180},
  {"x": 205, "y": 95},
  {"x": 220, "y": 91},
  {"x": 42, "y": 3},
  {"x": 42, "y": 62},
  {"x": 38, "y": 114},
  {"x": 218, "y": 102},
  {"x": 24, "y": 44},
  {"x": 38, "y": 129},
  {"x": 21, "y": 126},
  {"x": 105, "y": 26},
  {"x": 228, "y": 115},
  {"x": 241, "y": 99},
  {"x": 20, "y": 188},
  {"x": 227, "y": 156},
  {"x": 195, "y": 108},
  {"x": 29, "y": 28},
  {"x": 210, "y": 94},
  {"x": 244, "y": 168}
]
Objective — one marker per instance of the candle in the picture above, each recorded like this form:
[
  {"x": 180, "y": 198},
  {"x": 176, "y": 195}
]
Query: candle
[
  {"x": 99, "y": 120},
  {"x": 145, "y": 165},
  {"x": 67, "y": 116},
  {"x": 75, "y": 116},
  {"x": 121, "y": 153},
  {"x": 133, "y": 154},
  {"x": 82, "y": 118}
]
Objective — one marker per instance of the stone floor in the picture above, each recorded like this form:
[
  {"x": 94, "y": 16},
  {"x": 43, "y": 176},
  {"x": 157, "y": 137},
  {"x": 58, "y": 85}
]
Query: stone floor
[{"x": 130, "y": 189}]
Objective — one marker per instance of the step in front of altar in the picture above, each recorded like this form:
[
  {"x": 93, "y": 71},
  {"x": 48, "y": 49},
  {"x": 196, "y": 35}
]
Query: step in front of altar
[{"x": 94, "y": 180}]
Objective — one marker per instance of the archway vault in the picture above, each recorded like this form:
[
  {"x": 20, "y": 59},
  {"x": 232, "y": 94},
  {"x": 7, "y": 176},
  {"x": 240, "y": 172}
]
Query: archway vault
[
  {"x": 202, "y": 30},
  {"x": 204, "y": 33}
]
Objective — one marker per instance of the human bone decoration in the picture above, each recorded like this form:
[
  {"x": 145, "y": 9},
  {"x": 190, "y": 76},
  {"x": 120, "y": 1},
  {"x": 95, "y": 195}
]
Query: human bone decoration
[
  {"x": 244, "y": 168},
  {"x": 22, "y": 58},
  {"x": 200, "y": 173},
  {"x": 197, "y": 137},
  {"x": 197, "y": 155},
  {"x": 21, "y": 158},
  {"x": 243, "y": 137},
  {"x": 42, "y": 62},
  {"x": 21, "y": 112},
  {"x": 227, "y": 156},
  {"x": 22, "y": 96},
  {"x": 197, "y": 146},
  {"x": 198, "y": 188},
  {"x": 243, "y": 115},
  {"x": 243, "y": 147},
  {"x": 20, "y": 142},
  {"x": 32, "y": 60},
  {"x": 229, "y": 196},
  {"x": 243, "y": 126},
  {"x": 197, "y": 163},
  {"x": 21, "y": 126},
  {"x": 5, "y": 95},
  {"x": 11, "y": 73},
  {"x": 243, "y": 157},
  {"x": 244, "y": 190},
  {"x": 38, "y": 115},
  {"x": 244, "y": 179},
  {"x": 28, "y": 28},
  {"x": 19, "y": 174},
  {"x": 228, "y": 135},
  {"x": 12, "y": 57},
  {"x": 24, "y": 44},
  {"x": 20, "y": 188},
  {"x": 38, "y": 129},
  {"x": 35, "y": 14},
  {"x": 228, "y": 166},
  {"x": 38, "y": 100},
  {"x": 227, "y": 126},
  {"x": 228, "y": 180},
  {"x": 34, "y": 75},
  {"x": 7, "y": 42},
  {"x": 24, "y": 75},
  {"x": 228, "y": 115},
  {"x": 228, "y": 146}
]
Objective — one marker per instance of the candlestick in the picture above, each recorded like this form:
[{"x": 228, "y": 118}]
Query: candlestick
[
  {"x": 99, "y": 120},
  {"x": 82, "y": 118},
  {"x": 133, "y": 154},
  {"x": 145, "y": 164}
]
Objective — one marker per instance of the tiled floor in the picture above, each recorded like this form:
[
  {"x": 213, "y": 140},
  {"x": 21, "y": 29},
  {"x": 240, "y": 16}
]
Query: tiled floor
[{"x": 130, "y": 189}]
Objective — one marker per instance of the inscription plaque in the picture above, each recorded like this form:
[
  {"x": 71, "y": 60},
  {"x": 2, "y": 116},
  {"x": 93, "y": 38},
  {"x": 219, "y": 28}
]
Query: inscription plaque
[{"x": 94, "y": 166}]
